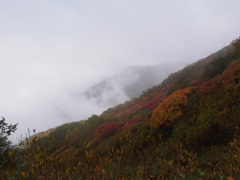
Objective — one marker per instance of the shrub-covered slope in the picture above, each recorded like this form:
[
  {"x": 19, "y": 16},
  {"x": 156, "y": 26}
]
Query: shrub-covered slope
[{"x": 185, "y": 128}]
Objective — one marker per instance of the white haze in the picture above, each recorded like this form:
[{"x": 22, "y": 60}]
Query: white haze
[
  {"x": 50, "y": 49},
  {"x": 128, "y": 83}
]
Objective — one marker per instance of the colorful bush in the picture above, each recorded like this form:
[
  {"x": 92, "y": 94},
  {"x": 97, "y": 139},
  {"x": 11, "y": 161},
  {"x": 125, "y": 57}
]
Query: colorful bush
[
  {"x": 171, "y": 108},
  {"x": 107, "y": 129}
]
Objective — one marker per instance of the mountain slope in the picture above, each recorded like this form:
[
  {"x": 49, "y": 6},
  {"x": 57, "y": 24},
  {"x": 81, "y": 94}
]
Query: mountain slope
[
  {"x": 185, "y": 128},
  {"x": 189, "y": 76}
]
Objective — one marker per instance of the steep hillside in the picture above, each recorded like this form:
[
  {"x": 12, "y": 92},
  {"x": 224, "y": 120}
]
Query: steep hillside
[
  {"x": 191, "y": 75},
  {"x": 185, "y": 128}
]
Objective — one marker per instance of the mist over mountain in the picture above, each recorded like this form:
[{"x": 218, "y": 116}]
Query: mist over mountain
[
  {"x": 189, "y": 124},
  {"x": 129, "y": 83}
]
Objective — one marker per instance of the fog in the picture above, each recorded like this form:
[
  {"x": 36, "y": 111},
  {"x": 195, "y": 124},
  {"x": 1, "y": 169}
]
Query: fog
[{"x": 52, "y": 52}]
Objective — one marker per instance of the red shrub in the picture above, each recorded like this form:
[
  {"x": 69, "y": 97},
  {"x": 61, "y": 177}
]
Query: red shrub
[{"x": 107, "y": 129}]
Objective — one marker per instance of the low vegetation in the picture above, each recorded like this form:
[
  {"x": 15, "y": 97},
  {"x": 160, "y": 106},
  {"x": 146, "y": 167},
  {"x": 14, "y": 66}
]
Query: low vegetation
[{"x": 185, "y": 128}]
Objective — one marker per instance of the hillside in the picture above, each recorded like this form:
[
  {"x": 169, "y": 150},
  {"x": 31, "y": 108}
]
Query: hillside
[{"x": 187, "y": 127}]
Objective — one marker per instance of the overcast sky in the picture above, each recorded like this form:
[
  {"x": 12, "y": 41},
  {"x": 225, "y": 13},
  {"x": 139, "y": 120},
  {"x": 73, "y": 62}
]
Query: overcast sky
[{"x": 50, "y": 49}]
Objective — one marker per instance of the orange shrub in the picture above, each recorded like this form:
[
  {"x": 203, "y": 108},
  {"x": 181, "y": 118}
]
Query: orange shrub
[{"x": 171, "y": 108}]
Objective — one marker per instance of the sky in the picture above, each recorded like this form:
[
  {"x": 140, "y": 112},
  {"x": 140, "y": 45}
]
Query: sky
[{"x": 50, "y": 49}]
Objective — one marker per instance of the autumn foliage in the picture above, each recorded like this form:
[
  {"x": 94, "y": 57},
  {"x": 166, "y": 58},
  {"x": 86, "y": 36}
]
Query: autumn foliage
[
  {"x": 107, "y": 129},
  {"x": 171, "y": 108},
  {"x": 228, "y": 80},
  {"x": 185, "y": 128}
]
